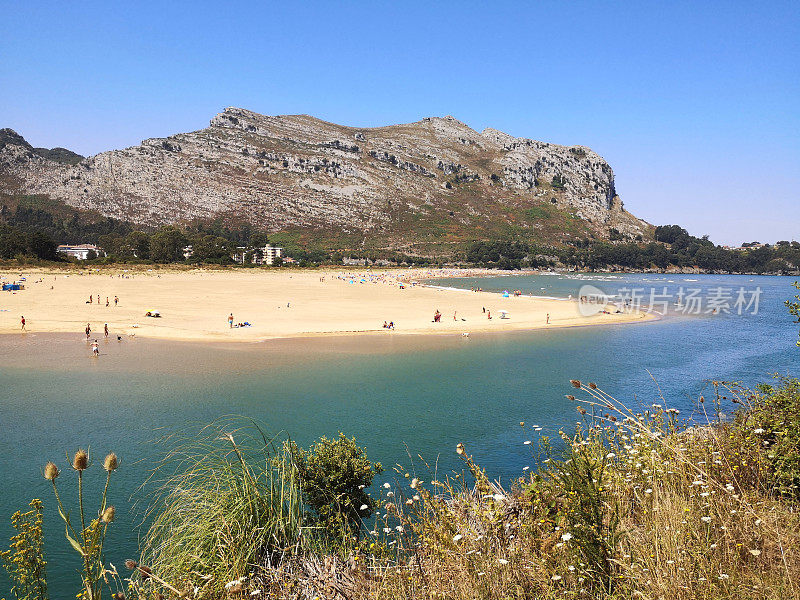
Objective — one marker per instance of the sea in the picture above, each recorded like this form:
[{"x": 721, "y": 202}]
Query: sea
[{"x": 409, "y": 400}]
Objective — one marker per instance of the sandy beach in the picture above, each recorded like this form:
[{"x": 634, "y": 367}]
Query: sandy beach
[{"x": 195, "y": 305}]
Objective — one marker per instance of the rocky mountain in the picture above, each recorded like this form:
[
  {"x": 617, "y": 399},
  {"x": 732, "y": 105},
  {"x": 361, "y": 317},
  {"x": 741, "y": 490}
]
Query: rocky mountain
[{"x": 414, "y": 186}]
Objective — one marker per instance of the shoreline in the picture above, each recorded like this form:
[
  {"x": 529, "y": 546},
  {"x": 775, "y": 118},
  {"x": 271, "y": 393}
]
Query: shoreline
[{"x": 195, "y": 305}]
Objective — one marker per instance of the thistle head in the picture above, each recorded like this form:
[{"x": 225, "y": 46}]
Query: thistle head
[
  {"x": 51, "y": 471},
  {"x": 108, "y": 514},
  {"x": 460, "y": 449},
  {"x": 80, "y": 461},
  {"x": 130, "y": 564},
  {"x": 593, "y": 386},
  {"x": 575, "y": 383},
  {"x": 111, "y": 462}
]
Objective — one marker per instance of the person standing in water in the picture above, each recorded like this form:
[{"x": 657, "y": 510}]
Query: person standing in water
[
  {"x": 88, "y": 330},
  {"x": 105, "y": 329},
  {"x": 95, "y": 349}
]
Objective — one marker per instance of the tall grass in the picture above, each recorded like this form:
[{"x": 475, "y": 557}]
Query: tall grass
[{"x": 227, "y": 502}]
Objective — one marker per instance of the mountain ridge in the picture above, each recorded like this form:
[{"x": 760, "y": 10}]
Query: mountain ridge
[{"x": 430, "y": 183}]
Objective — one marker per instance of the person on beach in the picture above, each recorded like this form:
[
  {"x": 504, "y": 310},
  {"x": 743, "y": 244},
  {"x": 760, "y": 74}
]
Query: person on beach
[
  {"x": 98, "y": 299},
  {"x": 548, "y": 319},
  {"x": 116, "y": 300},
  {"x": 95, "y": 348},
  {"x": 88, "y": 330},
  {"x": 22, "y": 320},
  {"x": 91, "y": 299},
  {"x": 107, "y": 303},
  {"x": 437, "y": 316},
  {"x": 489, "y": 315},
  {"x": 230, "y": 320},
  {"x": 105, "y": 329}
]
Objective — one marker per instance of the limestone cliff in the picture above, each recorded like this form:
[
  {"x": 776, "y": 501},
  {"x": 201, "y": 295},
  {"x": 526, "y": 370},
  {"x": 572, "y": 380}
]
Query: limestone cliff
[{"x": 431, "y": 182}]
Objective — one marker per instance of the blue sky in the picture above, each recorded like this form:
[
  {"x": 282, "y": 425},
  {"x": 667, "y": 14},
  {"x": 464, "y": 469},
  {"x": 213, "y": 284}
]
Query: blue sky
[{"x": 695, "y": 105}]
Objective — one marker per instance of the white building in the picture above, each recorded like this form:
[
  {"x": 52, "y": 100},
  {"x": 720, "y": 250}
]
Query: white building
[
  {"x": 81, "y": 251},
  {"x": 261, "y": 256},
  {"x": 270, "y": 253}
]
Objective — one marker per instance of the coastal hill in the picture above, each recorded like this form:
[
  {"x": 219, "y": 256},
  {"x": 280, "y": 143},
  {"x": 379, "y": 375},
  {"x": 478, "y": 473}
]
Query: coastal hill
[{"x": 417, "y": 187}]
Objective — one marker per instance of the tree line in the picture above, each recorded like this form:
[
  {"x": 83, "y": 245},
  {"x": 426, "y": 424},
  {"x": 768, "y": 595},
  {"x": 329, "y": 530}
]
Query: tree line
[
  {"x": 673, "y": 247},
  {"x": 33, "y": 233}
]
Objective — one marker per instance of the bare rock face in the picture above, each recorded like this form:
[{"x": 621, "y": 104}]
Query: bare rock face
[{"x": 404, "y": 183}]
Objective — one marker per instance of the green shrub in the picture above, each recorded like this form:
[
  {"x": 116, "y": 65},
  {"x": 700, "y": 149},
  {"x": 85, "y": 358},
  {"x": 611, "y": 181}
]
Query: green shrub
[
  {"x": 773, "y": 420},
  {"x": 334, "y": 475}
]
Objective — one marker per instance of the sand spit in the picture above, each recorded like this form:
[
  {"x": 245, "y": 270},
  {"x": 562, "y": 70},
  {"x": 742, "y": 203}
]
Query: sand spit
[{"x": 195, "y": 305}]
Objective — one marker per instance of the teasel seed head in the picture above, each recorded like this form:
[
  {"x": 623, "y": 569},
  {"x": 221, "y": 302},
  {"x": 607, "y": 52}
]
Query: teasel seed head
[
  {"x": 460, "y": 448},
  {"x": 581, "y": 410},
  {"x": 111, "y": 462},
  {"x": 575, "y": 383},
  {"x": 130, "y": 564},
  {"x": 108, "y": 514},
  {"x": 51, "y": 471},
  {"x": 80, "y": 461},
  {"x": 570, "y": 397}
]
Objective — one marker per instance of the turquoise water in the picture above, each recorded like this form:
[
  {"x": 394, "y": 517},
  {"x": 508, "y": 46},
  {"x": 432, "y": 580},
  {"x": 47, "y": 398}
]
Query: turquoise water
[{"x": 391, "y": 392}]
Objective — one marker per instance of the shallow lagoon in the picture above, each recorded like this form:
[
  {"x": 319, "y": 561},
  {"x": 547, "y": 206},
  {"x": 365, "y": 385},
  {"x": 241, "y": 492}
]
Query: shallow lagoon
[{"x": 394, "y": 393}]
